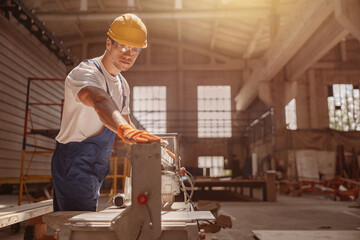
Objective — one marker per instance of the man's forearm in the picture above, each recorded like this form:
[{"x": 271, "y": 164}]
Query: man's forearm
[
  {"x": 111, "y": 117},
  {"x": 128, "y": 120},
  {"x": 104, "y": 106},
  {"x": 109, "y": 114}
]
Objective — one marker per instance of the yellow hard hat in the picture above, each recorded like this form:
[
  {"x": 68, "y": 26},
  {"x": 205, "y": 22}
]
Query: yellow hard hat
[{"x": 128, "y": 29}]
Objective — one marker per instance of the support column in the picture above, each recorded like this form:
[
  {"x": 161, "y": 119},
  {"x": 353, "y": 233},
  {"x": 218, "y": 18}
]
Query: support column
[
  {"x": 273, "y": 94},
  {"x": 319, "y": 113},
  {"x": 302, "y": 104},
  {"x": 279, "y": 141},
  {"x": 313, "y": 99}
]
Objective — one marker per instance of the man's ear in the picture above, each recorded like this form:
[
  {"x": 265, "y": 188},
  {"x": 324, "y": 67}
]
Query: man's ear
[{"x": 108, "y": 43}]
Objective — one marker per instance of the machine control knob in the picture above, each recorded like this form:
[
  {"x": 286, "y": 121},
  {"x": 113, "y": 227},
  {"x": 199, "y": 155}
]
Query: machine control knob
[
  {"x": 182, "y": 171},
  {"x": 202, "y": 234},
  {"x": 142, "y": 199}
]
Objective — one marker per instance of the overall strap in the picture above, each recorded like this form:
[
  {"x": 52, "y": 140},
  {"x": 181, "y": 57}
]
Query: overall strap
[
  {"x": 107, "y": 88},
  {"x": 123, "y": 90},
  {"x": 100, "y": 70}
]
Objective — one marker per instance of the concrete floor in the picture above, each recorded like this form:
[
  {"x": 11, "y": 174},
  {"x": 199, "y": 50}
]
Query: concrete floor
[{"x": 309, "y": 212}]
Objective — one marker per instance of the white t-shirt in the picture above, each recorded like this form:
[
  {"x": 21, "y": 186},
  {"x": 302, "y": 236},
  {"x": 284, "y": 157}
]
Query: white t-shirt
[{"x": 79, "y": 121}]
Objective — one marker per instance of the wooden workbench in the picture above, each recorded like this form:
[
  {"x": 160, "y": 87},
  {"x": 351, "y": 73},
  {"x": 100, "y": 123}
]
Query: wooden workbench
[
  {"x": 209, "y": 184},
  {"x": 12, "y": 215},
  {"x": 267, "y": 185}
]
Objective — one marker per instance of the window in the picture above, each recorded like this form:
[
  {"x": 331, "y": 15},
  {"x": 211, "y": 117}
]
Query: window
[
  {"x": 290, "y": 115},
  {"x": 344, "y": 104},
  {"x": 214, "y": 111},
  {"x": 149, "y": 107},
  {"x": 215, "y": 163}
]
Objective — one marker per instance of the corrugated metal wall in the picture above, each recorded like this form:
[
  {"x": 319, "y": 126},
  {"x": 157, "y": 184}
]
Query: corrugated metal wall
[{"x": 23, "y": 56}]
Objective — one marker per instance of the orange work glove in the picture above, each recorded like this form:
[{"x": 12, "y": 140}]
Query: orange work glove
[
  {"x": 131, "y": 135},
  {"x": 171, "y": 154}
]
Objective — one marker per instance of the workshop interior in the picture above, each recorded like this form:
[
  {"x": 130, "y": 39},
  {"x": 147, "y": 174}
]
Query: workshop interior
[{"x": 229, "y": 119}]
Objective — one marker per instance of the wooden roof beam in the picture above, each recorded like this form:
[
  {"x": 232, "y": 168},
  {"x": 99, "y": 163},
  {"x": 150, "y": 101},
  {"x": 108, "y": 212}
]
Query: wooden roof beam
[
  {"x": 215, "y": 28},
  {"x": 274, "y": 20},
  {"x": 76, "y": 24},
  {"x": 61, "y": 4},
  {"x": 101, "y": 4},
  {"x": 245, "y": 13},
  {"x": 254, "y": 38},
  {"x": 329, "y": 34},
  {"x": 308, "y": 15},
  {"x": 78, "y": 29},
  {"x": 346, "y": 18},
  {"x": 347, "y": 12},
  {"x": 214, "y": 33}
]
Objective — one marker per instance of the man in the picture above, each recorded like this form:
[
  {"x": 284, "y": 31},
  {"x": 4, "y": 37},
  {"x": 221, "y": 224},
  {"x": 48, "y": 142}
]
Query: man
[{"x": 96, "y": 107}]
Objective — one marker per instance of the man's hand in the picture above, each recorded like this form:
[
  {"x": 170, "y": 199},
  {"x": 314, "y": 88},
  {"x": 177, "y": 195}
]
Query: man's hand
[
  {"x": 131, "y": 135},
  {"x": 171, "y": 154}
]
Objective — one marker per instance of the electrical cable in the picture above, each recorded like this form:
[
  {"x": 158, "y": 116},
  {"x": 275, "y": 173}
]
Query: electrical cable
[
  {"x": 184, "y": 190},
  {"x": 192, "y": 186},
  {"x": 192, "y": 177},
  {"x": 191, "y": 180},
  {"x": 149, "y": 212},
  {"x": 139, "y": 233},
  {"x": 187, "y": 197}
]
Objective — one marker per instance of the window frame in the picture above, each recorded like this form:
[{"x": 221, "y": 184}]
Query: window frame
[
  {"x": 151, "y": 109},
  {"x": 214, "y": 122}
]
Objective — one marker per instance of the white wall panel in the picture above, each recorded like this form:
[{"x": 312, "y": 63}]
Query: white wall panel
[{"x": 22, "y": 56}]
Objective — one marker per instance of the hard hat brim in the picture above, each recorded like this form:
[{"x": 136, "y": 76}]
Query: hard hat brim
[{"x": 129, "y": 43}]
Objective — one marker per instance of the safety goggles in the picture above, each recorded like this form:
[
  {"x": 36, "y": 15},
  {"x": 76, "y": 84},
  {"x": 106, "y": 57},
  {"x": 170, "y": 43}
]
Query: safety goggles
[{"x": 125, "y": 48}]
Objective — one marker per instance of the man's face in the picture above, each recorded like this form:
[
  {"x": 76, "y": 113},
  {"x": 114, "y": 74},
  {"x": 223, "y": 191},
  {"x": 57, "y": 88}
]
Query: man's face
[{"x": 121, "y": 56}]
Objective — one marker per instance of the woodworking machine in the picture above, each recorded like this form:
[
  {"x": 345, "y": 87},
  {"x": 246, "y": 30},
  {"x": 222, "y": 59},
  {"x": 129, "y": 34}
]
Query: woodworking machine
[{"x": 151, "y": 212}]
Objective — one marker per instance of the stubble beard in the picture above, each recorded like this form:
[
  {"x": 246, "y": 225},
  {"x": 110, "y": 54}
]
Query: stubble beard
[{"x": 119, "y": 67}]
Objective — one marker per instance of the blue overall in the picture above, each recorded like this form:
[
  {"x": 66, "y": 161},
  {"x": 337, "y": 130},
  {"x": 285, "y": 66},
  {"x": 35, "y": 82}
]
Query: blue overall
[{"x": 78, "y": 169}]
